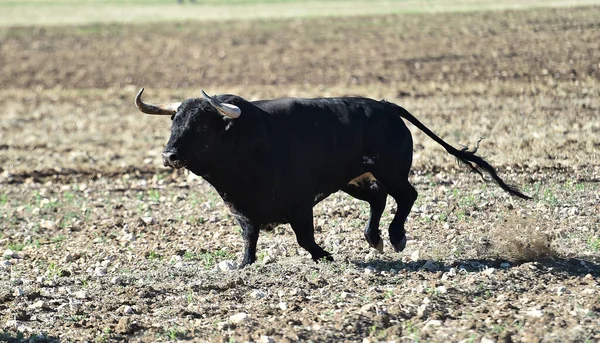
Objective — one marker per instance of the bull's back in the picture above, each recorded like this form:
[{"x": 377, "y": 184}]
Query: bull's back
[{"x": 318, "y": 145}]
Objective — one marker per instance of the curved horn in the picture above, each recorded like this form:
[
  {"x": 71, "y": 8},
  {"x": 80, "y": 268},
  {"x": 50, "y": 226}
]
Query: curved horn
[
  {"x": 161, "y": 109},
  {"x": 229, "y": 110}
]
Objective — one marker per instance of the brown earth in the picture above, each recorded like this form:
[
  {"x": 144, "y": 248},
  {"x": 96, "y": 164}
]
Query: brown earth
[{"x": 101, "y": 243}]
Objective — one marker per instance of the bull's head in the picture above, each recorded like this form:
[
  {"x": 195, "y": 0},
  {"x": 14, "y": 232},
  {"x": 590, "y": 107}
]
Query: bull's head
[{"x": 197, "y": 124}]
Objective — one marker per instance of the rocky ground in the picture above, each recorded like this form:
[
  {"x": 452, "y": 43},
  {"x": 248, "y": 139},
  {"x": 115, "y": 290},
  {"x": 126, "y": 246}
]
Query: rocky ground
[{"x": 101, "y": 243}]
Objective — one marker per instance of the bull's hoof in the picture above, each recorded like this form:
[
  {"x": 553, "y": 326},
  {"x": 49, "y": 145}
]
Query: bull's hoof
[
  {"x": 400, "y": 245},
  {"x": 379, "y": 246}
]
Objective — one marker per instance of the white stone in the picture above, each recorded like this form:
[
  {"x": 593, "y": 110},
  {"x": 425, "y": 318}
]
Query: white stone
[
  {"x": 47, "y": 224},
  {"x": 80, "y": 295},
  {"x": 345, "y": 295},
  {"x": 127, "y": 310},
  {"x": 239, "y": 318},
  {"x": 257, "y": 294},
  {"x": 560, "y": 290},
  {"x": 226, "y": 266},
  {"x": 222, "y": 325},
  {"x": 442, "y": 289},
  {"x": 116, "y": 280},
  {"x": 5, "y": 264},
  {"x": 266, "y": 339},
  {"x": 486, "y": 340},
  {"x": 18, "y": 292},
  {"x": 147, "y": 220},
  {"x": 100, "y": 271},
  {"x": 488, "y": 271},
  {"x": 282, "y": 306},
  {"x": 414, "y": 256},
  {"x": 37, "y": 305},
  {"x": 369, "y": 270},
  {"x": 535, "y": 313},
  {"x": 8, "y": 253}
]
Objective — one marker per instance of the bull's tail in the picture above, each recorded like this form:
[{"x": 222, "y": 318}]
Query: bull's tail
[{"x": 476, "y": 163}]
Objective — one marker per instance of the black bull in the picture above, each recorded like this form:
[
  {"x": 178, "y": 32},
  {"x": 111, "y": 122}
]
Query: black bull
[{"x": 272, "y": 160}]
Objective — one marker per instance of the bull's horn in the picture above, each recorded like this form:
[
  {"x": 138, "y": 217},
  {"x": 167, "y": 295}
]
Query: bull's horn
[
  {"x": 162, "y": 109},
  {"x": 229, "y": 110}
]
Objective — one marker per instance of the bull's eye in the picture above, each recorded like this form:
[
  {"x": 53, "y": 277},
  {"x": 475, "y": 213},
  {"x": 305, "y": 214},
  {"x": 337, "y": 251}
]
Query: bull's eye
[{"x": 172, "y": 117}]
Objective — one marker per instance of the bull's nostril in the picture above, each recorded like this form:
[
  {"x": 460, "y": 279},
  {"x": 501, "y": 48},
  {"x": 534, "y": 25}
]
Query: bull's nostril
[{"x": 172, "y": 157}]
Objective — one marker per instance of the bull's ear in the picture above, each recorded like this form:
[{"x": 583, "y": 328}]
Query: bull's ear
[{"x": 228, "y": 110}]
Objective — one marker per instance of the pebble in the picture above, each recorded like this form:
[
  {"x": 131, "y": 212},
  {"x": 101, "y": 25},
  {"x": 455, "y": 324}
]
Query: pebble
[
  {"x": 8, "y": 254},
  {"x": 442, "y": 289},
  {"x": 368, "y": 308},
  {"x": 37, "y": 305},
  {"x": 47, "y": 224},
  {"x": 127, "y": 310},
  {"x": 414, "y": 256},
  {"x": 226, "y": 266},
  {"x": 18, "y": 292},
  {"x": 257, "y": 294},
  {"x": 147, "y": 220},
  {"x": 239, "y": 318},
  {"x": 266, "y": 339},
  {"x": 80, "y": 295},
  {"x": 588, "y": 291},
  {"x": 345, "y": 295},
  {"x": 370, "y": 270},
  {"x": 222, "y": 325},
  {"x": 5, "y": 264},
  {"x": 116, "y": 280},
  {"x": 488, "y": 271},
  {"x": 504, "y": 265},
  {"x": 268, "y": 259},
  {"x": 100, "y": 271},
  {"x": 486, "y": 340},
  {"x": 282, "y": 306},
  {"x": 560, "y": 290},
  {"x": 535, "y": 313}
]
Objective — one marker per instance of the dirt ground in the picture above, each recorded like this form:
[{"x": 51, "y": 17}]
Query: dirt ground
[{"x": 101, "y": 243}]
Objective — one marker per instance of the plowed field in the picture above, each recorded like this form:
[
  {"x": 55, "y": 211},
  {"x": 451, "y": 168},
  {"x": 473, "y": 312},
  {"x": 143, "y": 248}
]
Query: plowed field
[{"x": 102, "y": 243}]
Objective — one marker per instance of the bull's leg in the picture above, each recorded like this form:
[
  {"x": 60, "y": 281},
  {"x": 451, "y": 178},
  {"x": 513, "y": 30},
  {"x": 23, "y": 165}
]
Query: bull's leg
[
  {"x": 302, "y": 224},
  {"x": 250, "y": 235},
  {"x": 370, "y": 190},
  {"x": 405, "y": 195}
]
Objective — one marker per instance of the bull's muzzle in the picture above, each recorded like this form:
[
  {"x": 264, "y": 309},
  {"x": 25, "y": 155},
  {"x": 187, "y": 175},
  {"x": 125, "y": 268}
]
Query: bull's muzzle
[{"x": 170, "y": 159}]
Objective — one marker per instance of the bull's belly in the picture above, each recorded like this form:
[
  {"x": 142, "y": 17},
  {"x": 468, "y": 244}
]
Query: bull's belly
[{"x": 366, "y": 177}]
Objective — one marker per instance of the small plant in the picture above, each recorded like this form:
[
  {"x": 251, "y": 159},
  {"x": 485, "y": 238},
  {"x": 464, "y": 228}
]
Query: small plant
[
  {"x": 154, "y": 195},
  {"x": 261, "y": 255},
  {"x": 550, "y": 198},
  {"x": 188, "y": 255},
  {"x": 153, "y": 255},
  {"x": 3, "y": 199},
  {"x": 69, "y": 197},
  {"x": 58, "y": 239},
  {"x": 53, "y": 270},
  {"x": 175, "y": 334},
  {"x": 210, "y": 259},
  {"x": 594, "y": 243},
  {"x": 16, "y": 246}
]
